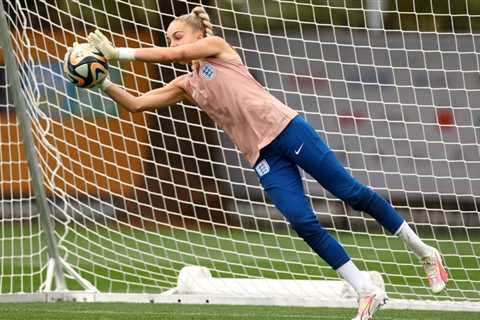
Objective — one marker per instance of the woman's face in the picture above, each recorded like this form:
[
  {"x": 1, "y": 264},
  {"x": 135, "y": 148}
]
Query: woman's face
[{"x": 180, "y": 33}]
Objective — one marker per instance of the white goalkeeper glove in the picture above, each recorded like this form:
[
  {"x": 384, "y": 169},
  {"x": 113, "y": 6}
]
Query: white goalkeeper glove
[{"x": 106, "y": 47}]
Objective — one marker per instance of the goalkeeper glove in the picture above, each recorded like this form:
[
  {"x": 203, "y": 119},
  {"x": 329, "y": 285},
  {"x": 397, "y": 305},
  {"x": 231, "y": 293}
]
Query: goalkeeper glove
[{"x": 106, "y": 47}]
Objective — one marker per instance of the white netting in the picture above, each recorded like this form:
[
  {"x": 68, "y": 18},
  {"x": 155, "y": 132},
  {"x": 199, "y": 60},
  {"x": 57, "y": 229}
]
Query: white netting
[{"x": 393, "y": 88}]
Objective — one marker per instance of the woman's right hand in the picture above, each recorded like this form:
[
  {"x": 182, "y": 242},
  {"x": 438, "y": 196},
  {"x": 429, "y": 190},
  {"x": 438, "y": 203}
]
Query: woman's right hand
[{"x": 102, "y": 43}]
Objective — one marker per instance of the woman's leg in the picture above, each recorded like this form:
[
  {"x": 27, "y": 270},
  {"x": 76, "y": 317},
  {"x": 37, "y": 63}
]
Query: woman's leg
[
  {"x": 304, "y": 147},
  {"x": 281, "y": 181}
]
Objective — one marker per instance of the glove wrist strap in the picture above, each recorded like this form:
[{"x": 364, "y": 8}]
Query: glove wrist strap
[
  {"x": 126, "y": 54},
  {"x": 105, "y": 84}
]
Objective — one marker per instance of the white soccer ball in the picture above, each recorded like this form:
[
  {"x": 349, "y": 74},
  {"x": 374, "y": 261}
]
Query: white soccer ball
[{"x": 85, "y": 66}]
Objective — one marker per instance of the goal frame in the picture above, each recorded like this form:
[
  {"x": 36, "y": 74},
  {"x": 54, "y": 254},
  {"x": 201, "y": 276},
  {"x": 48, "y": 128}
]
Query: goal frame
[{"x": 55, "y": 289}]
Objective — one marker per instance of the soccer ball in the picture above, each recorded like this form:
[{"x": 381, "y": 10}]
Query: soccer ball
[{"x": 85, "y": 66}]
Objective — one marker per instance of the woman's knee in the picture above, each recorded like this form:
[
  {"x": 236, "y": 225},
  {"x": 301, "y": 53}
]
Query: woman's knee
[
  {"x": 308, "y": 227},
  {"x": 358, "y": 197}
]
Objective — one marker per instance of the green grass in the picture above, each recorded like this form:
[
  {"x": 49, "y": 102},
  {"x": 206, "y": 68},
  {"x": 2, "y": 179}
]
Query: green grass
[
  {"x": 117, "y": 311},
  {"x": 128, "y": 260}
]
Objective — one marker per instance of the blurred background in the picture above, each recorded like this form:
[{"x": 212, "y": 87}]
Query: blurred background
[{"x": 391, "y": 85}]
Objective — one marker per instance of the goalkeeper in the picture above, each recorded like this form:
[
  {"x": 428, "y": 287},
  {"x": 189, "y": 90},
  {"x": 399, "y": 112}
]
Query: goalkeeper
[{"x": 273, "y": 139}]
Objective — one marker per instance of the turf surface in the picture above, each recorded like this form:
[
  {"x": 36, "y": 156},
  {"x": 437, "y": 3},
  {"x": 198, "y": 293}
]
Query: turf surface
[
  {"x": 138, "y": 262},
  {"x": 133, "y": 261},
  {"x": 116, "y": 311}
]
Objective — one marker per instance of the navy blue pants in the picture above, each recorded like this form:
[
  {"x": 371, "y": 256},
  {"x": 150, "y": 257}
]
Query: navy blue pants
[{"x": 299, "y": 145}]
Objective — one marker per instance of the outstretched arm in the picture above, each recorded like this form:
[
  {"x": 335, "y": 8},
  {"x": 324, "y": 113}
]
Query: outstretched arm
[
  {"x": 155, "y": 99},
  {"x": 203, "y": 48}
]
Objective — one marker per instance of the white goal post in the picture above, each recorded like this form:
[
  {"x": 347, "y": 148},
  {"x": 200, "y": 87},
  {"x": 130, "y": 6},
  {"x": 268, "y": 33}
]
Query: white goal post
[{"x": 104, "y": 205}]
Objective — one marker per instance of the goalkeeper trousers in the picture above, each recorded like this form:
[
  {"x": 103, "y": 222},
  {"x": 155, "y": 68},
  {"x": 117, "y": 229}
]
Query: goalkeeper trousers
[{"x": 299, "y": 145}]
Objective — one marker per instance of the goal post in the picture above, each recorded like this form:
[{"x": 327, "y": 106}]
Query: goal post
[
  {"x": 160, "y": 206},
  {"x": 56, "y": 265}
]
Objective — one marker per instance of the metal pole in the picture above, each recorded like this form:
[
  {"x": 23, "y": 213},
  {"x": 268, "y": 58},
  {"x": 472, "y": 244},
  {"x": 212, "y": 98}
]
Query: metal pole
[
  {"x": 33, "y": 164},
  {"x": 374, "y": 15}
]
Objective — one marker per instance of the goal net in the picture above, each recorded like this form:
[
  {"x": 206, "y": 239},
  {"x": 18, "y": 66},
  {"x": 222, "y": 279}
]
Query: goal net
[{"x": 393, "y": 87}]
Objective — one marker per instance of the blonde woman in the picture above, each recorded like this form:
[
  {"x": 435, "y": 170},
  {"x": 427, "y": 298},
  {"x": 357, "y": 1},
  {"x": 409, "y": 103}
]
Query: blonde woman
[{"x": 273, "y": 139}]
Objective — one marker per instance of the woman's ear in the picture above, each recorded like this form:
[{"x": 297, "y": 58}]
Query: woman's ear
[
  {"x": 199, "y": 36},
  {"x": 195, "y": 65}
]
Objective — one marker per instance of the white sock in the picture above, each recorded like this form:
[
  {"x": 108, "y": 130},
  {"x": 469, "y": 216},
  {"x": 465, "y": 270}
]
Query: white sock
[
  {"x": 358, "y": 280},
  {"x": 413, "y": 241}
]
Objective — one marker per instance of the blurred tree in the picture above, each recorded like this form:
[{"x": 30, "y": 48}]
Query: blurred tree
[
  {"x": 262, "y": 15},
  {"x": 405, "y": 15}
]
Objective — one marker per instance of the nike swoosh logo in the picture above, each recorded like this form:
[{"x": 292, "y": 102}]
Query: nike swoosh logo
[{"x": 297, "y": 152}]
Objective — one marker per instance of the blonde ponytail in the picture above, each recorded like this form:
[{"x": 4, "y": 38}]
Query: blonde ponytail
[
  {"x": 199, "y": 20},
  {"x": 205, "y": 19}
]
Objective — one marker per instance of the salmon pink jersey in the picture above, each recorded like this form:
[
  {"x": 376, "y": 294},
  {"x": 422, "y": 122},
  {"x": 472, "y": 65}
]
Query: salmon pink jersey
[{"x": 243, "y": 108}]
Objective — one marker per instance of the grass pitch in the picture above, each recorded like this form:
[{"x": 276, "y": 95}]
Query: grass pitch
[
  {"x": 154, "y": 260},
  {"x": 119, "y": 311}
]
